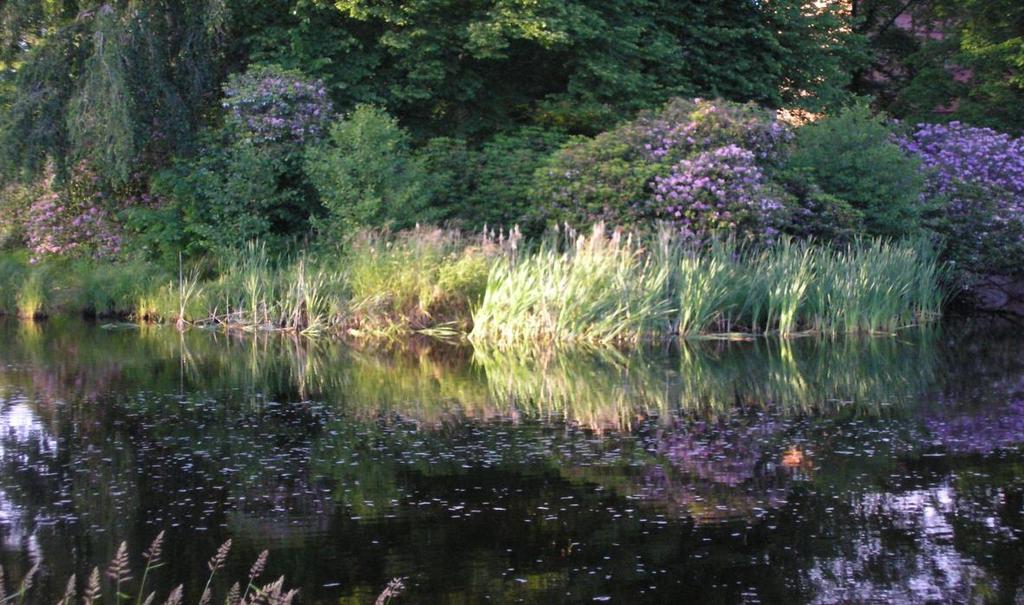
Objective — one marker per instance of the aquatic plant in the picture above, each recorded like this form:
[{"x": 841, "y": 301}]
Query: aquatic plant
[
  {"x": 31, "y": 296},
  {"x": 610, "y": 286},
  {"x": 422, "y": 279},
  {"x": 615, "y": 288},
  {"x": 600, "y": 287}
]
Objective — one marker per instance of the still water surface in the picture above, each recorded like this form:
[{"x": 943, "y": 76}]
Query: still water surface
[{"x": 860, "y": 470}]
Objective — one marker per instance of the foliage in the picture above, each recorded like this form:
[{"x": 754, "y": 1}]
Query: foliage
[
  {"x": 976, "y": 175},
  {"x": 118, "y": 578},
  {"x": 968, "y": 67},
  {"x": 367, "y": 175},
  {"x": 853, "y": 157},
  {"x": 15, "y": 202},
  {"x": 268, "y": 104},
  {"x": 54, "y": 285},
  {"x": 247, "y": 182},
  {"x": 629, "y": 174},
  {"x": 229, "y": 194},
  {"x": 470, "y": 69},
  {"x": 488, "y": 186},
  {"x": 114, "y": 83},
  {"x": 72, "y": 221},
  {"x": 504, "y": 173},
  {"x": 812, "y": 213}
]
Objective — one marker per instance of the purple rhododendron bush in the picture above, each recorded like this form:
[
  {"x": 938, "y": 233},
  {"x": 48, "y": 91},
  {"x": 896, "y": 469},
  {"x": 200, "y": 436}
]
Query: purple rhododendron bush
[
  {"x": 974, "y": 177},
  {"x": 698, "y": 164}
]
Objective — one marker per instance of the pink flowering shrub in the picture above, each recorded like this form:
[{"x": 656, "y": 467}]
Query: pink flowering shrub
[
  {"x": 15, "y": 201},
  {"x": 700, "y": 164},
  {"x": 685, "y": 127},
  {"x": 72, "y": 221},
  {"x": 269, "y": 104},
  {"x": 976, "y": 177},
  {"x": 718, "y": 190}
]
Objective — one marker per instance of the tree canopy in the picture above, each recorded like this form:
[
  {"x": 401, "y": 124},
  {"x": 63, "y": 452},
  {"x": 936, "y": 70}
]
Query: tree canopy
[{"x": 127, "y": 83}]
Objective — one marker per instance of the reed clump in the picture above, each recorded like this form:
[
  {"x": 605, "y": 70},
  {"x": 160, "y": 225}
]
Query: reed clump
[
  {"x": 599, "y": 288},
  {"x": 612, "y": 287},
  {"x": 426, "y": 280}
]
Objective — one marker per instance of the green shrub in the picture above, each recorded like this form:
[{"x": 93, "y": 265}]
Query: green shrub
[
  {"x": 229, "y": 194},
  {"x": 812, "y": 213},
  {"x": 450, "y": 169},
  {"x": 367, "y": 175},
  {"x": 853, "y": 158},
  {"x": 505, "y": 167}
]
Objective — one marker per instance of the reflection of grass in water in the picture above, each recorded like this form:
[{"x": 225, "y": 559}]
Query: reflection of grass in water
[
  {"x": 805, "y": 376},
  {"x": 597, "y": 389},
  {"x": 603, "y": 390}
]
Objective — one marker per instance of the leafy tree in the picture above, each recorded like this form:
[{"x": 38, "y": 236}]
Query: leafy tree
[
  {"x": 247, "y": 181},
  {"x": 470, "y": 68},
  {"x": 973, "y": 71}
]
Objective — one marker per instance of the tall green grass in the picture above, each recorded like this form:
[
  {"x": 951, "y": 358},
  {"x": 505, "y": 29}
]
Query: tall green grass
[
  {"x": 604, "y": 287},
  {"x": 599, "y": 288},
  {"x": 425, "y": 280},
  {"x": 613, "y": 288}
]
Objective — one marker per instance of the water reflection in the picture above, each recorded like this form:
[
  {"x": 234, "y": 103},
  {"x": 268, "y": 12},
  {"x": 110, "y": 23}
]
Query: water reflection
[{"x": 848, "y": 471}]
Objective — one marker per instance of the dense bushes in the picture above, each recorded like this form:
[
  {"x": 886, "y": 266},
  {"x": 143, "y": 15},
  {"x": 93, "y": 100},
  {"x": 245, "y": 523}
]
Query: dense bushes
[
  {"x": 247, "y": 180},
  {"x": 268, "y": 104},
  {"x": 367, "y": 175}
]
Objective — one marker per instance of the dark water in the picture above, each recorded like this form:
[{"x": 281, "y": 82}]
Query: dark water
[{"x": 863, "y": 470}]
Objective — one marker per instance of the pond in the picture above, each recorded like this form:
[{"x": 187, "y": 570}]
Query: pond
[{"x": 884, "y": 469}]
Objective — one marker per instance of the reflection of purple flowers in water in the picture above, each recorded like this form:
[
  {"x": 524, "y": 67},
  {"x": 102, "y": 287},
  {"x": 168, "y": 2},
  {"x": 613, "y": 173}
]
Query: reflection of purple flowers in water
[
  {"x": 979, "y": 431},
  {"x": 716, "y": 471}
]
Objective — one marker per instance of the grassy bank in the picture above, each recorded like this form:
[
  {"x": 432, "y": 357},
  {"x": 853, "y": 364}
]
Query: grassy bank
[{"x": 604, "y": 287}]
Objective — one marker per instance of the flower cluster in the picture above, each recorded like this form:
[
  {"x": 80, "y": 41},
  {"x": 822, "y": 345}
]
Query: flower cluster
[
  {"x": 272, "y": 105},
  {"x": 686, "y": 127},
  {"x": 955, "y": 153},
  {"x": 56, "y": 227},
  {"x": 718, "y": 190},
  {"x": 977, "y": 175},
  {"x": 71, "y": 221},
  {"x": 696, "y": 162}
]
